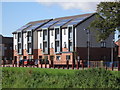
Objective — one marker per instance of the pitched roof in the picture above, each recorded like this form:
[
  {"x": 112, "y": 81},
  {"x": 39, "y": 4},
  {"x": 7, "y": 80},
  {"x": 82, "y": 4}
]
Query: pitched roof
[
  {"x": 70, "y": 20},
  {"x": 51, "y": 23},
  {"x": 30, "y": 24}
]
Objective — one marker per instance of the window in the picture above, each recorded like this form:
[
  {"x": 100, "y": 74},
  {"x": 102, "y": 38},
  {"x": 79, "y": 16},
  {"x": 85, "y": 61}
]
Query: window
[
  {"x": 51, "y": 32},
  {"x": 40, "y": 33},
  {"x": 29, "y": 57},
  {"x": 103, "y": 44},
  {"x": 25, "y": 46},
  {"x": 10, "y": 58},
  {"x": 102, "y": 31},
  {"x": 10, "y": 48},
  {"x": 64, "y": 44},
  {"x": 58, "y": 57},
  {"x": 51, "y": 45},
  {"x": 67, "y": 57},
  {"x": 40, "y": 46},
  {"x": 5, "y": 58},
  {"x": 70, "y": 29},
  {"x": 5, "y": 48},
  {"x": 0, "y": 48},
  {"x": 88, "y": 44},
  {"x": 15, "y": 47},
  {"x": 29, "y": 34},
  {"x": 64, "y": 31},
  {"x": 118, "y": 36},
  {"x": 25, "y": 35}
]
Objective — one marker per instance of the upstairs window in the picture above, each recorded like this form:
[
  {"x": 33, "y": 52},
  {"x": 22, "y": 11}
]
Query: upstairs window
[
  {"x": 70, "y": 29},
  {"x": 15, "y": 47},
  {"x": 51, "y": 32},
  {"x": 103, "y": 44},
  {"x": 88, "y": 43},
  {"x": 64, "y": 44},
  {"x": 40, "y": 46},
  {"x": 25, "y": 46},
  {"x": 40, "y": 33},
  {"x": 10, "y": 48},
  {"x": 64, "y": 31},
  {"x": 5, "y": 48},
  {"x": 103, "y": 31},
  {"x": 29, "y": 34},
  {"x": 51, "y": 45}
]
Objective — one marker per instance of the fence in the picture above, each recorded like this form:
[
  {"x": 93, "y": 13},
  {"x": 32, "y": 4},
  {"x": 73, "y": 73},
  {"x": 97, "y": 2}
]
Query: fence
[{"x": 93, "y": 64}]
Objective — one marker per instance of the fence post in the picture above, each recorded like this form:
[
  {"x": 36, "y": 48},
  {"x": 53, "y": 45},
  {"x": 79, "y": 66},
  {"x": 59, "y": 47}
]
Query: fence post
[
  {"x": 72, "y": 65},
  {"x": 45, "y": 64},
  {"x": 82, "y": 64},
  {"x": 54, "y": 66},
  {"x": 112, "y": 66},
  {"x": 3, "y": 63},
  {"x": 78, "y": 64},
  {"x": 38, "y": 63},
  {"x": 118, "y": 65},
  {"x": 23, "y": 64},
  {"x": 49, "y": 65},
  {"x": 13, "y": 63},
  {"x": 41, "y": 63},
  {"x": 67, "y": 62}
]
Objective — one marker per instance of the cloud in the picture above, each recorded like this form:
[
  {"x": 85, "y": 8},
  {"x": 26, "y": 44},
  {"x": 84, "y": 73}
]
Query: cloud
[{"x": 83, "y": 5}]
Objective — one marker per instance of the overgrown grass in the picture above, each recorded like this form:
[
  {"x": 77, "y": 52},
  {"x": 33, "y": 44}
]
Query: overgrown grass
[{"x": 58, "y": 78}]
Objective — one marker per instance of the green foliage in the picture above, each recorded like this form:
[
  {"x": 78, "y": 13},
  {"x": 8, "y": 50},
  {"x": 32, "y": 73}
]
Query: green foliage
[
  {"x": 59, "y": 78},
  {"x": 107, "y": 19}
]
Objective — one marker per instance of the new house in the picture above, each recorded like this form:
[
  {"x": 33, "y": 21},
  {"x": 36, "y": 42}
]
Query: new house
[{"x": 61, "y": 39}]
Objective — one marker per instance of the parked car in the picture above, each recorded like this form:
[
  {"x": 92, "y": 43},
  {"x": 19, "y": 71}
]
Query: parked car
[
  {"x": 31, "y": 62},
  {"x": 25, "y": 62},
  {"x": 21, "y": 62}
]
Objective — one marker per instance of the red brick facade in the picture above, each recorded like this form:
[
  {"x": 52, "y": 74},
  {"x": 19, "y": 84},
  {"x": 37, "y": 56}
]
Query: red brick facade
[{"x": 118, "y": 43}]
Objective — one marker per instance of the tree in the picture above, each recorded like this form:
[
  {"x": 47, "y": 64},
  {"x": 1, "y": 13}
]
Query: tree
[{"x": 107, "y": 19}]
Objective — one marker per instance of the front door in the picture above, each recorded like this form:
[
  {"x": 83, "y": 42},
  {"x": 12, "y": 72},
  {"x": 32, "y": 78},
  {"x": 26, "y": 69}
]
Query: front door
[{"x": 51, "y": 59}]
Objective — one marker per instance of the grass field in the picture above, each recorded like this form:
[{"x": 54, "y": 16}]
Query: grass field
[{"x": 14, "y": 77}]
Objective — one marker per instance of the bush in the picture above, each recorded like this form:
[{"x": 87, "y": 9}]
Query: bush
[{"x": 58, "y": 78}]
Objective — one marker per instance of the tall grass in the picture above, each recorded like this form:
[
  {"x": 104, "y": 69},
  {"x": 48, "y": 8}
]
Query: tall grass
[{"x": 58, "y": 78}]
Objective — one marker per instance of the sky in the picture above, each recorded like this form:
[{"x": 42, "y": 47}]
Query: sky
[{"x": 16, "y": 13}]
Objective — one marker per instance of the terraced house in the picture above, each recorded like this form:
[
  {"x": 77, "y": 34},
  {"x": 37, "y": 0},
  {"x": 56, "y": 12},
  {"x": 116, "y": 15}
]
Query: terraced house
[{"x": 61, "y": 39}]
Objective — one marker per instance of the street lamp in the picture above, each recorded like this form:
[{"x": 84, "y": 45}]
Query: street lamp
[
  {"x": 112, "y": 54},
  {"x": 88, "y": 44},
  {"x": 78, "y": 61}
]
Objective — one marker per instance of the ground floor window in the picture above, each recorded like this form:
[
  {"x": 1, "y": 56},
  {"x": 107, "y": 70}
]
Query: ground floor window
[
  {"x": 20, "y": 58},
  {"x": 67, "y": 57},
  {"x": 30, "y": 57},
  {"x": 58, "y": 57}
]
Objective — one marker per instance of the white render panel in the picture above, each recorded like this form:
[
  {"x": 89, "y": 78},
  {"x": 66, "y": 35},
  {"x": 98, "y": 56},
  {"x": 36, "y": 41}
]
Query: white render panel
[
  {"x": 25, "y": 40},
  {"x": 65, "y": 37},
  {"x": 40, "y": 39},
  {"x": 14, "y": 41},
  {"x": 81, "y": 36},
  {"x": 52, "y": 38}
]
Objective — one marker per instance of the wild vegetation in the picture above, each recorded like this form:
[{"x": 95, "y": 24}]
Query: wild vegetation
[{"x": 59, "y": 78}]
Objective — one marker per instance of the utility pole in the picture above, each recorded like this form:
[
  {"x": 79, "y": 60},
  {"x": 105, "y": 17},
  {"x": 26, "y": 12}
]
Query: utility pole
[{"x": 88, "y": 44}]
